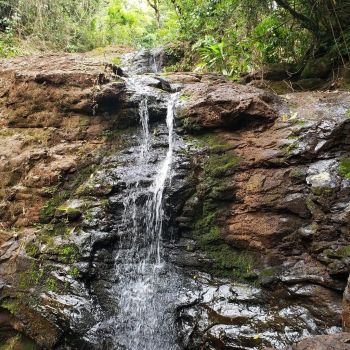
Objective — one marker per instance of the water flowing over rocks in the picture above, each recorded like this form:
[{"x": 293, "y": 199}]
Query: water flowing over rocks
[{"x": 142, "y": 210}]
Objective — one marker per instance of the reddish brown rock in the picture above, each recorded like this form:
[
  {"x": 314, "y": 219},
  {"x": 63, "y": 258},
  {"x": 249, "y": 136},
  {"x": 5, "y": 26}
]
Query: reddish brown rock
[
  {"x": 339, "y": 341},
  {"x": 226, "y": 105},
  {"x": 48, "y": 127}
]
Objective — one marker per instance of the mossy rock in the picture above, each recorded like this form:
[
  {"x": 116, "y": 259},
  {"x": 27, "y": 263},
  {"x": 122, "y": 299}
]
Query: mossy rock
[
  {"x": 190, "y": 125},
  {"x": 344, "y": 168},
  {"x": 71, "y": 214},
  {"x": 98, "y": 190},
  {"x": 32, "y": 249},
  {"x": 213, "y": 190},
  {"x": 318, "y": 67},
  {"x": 218, "y": 164},
  {"x": 339, "y": 253},
  {"x": 47, "y": 212},
  {"x": 18, "y": 342}
]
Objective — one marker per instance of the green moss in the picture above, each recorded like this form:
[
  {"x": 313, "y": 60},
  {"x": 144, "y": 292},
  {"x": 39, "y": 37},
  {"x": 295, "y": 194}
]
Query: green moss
[
  {"x": 68, "y": 253},
  {"x": 214, "y": 142},
  {"x": 18, "y": 342},
  {"x": 310, "y": 204},
  {"x": 49, "y": 191},
  {"x": 348, "y": 113},
  {"x": 185, "y": 96},
  {"x": 11, "y": 305},
  {"x": 211, "y": 237},
  {"x": 344, "y": 251},
  {"x": 51, "y": 284},
  {"x": 290, "y": 148},
  {"x": 344, "y": 167},
  {"x": 300, "y": 122},
  {"x": 226, "y": 261},
  {"x": 218, "y": 164},
  {"x": 268, "y": 272},
  {"x": 116, "y": 60},
  {"x": 40, "y": 278},
  {"x": 31, "y": 277},
  {"x": 297, "y": 174},
  {"x": 47, "y": 212},
  {"x": 230, "y": 262},
  {"x": 314, "y": 227},
  {"x": 74, "y": 272},
  {"x": 32, "y": 250},
  {"x": 60, "y": 193},
  {"x": 190, "y": 248},
  {"x": 190, "y": 125},
  {"x": 70, "y": 213},
  {"x": 113, "y": 135},
  {"x": 322, "y": 191},
  {"x": 340, "y": 253},
  {"x": 293, "y": 137}
]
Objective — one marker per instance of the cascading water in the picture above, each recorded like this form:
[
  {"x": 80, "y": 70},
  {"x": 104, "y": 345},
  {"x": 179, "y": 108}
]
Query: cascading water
[{"x": 144, "y": 285}]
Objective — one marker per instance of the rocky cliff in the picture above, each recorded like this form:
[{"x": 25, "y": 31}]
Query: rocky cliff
[{"x": 256, "y": 213}]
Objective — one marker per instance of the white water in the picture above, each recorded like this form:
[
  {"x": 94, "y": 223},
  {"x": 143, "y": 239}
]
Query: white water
[{"x": 144, "y": 318}]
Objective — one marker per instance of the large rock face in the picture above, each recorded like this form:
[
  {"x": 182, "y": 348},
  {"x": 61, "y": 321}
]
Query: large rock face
[
  {"x": 257, "y": 211},
  {"x": 270, "y": 204}
]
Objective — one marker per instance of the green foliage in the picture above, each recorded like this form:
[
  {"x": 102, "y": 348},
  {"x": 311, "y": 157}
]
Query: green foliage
[
  {"x": 226, "y": 36},
  {"x": 74, "y": 25},
  {"x": 7, "y": 40},
  {"x": 277, "y": 43},
  {"x": 228, "y": 60}
]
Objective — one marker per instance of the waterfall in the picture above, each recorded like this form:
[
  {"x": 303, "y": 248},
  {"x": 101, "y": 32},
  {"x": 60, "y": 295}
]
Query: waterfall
[
  {"x": 155, "y": 204},
  {"x": 144, "y": 320}
]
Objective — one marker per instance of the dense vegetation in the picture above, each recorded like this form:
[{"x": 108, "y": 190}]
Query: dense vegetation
[{"x": 228, "y": 36}]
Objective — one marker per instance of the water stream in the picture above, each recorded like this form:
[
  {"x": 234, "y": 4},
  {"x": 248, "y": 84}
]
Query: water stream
[{"x": 144, "y": 317}]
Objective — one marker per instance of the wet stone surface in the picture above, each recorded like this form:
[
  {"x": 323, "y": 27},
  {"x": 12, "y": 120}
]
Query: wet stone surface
[{"x": 272, "y": 171}]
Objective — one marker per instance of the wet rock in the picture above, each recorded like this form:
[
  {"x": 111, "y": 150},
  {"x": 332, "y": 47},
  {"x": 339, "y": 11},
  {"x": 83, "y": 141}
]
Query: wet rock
[
  {"x": 339, "y": 341},
  {"x": 346, "y": 308},
  {"x": 144, "y": 61},
  {"x": 288, "y": 205},
  {"x": 241, "y": 316},
  {"x": 266, "y": 179},
  {"x": 109, "y": 97}
]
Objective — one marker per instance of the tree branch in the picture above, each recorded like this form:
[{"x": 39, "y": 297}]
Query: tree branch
[
  {"x": 177, "y": 8},
  {"x": 305, "y": 22}
]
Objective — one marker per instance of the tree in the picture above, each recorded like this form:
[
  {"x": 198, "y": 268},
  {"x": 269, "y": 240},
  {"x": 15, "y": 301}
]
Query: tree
[
  {"x": 327, "y": 20},
  {"x": 155, "y": 4}
]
